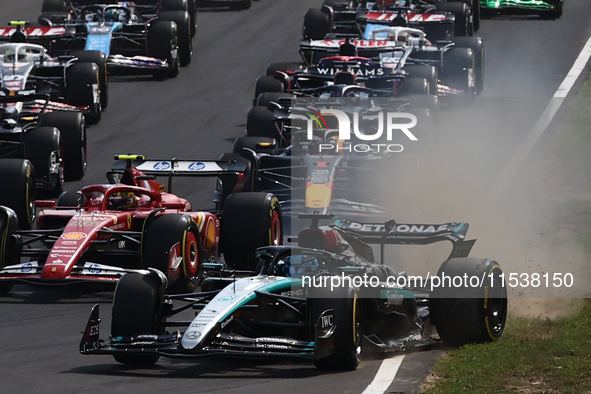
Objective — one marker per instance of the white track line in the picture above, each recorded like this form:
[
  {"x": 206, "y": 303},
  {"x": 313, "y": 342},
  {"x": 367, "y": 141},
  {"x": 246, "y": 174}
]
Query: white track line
[
  {"x": 385, "y": 375},
  {"x": 542, "y": 124}
]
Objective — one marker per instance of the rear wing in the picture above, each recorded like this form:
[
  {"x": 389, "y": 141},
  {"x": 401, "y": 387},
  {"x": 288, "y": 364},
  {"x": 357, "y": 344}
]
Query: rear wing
[
  {"x": 176, "y": 167},
  {"x": 392, "y": 233},
  {"x": 313, "y": 50},
  {"x": 32, "y": 33}
]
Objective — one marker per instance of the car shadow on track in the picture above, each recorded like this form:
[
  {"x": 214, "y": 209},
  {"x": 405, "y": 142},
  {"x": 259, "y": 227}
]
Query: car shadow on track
[
  {"x": 72, "y": 294},
  {"x": 210, "y": 367}
]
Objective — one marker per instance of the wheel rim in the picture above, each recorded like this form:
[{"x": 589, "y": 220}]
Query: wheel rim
[
  {"x": 275, "y": 229},
  {"x": 191, "y": 255},
  {"x": 496, "y": 312}
]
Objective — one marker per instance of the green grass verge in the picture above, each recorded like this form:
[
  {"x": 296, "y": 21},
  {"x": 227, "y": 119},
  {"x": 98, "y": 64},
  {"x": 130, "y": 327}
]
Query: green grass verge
[
  {"x": 540, "y": 355},
  {"x": 534, "y": 356}
]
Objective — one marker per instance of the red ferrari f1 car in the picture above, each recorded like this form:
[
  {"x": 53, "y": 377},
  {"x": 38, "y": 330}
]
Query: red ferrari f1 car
[{"x": 132, "y": 225}]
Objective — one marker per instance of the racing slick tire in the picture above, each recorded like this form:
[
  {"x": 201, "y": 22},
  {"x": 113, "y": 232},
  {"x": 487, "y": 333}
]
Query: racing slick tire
[
  {"x": 185, "y": 40},
  {"x": 136, "y": 310},
  {"x": 346, "y": 349},
  {"x": 424, "y": 71},
  {"x": 267, "y": 83},
  {"x": 257, "y": 144},
  {"x": 100, "y": 59},
  {"x": 18, "y": 191},
  {"x": 554, "y": 13},
  {"x": 317, "y": 24},
  {"x": 477, "y": 46},
  {"x": 43, "y": 148},
  {"x": 82, "y": 81},
  {"x": 73, "y": 132},
  {"x": 249, "y": 221},
  {"x": 260, "y": 123},
  {"x": 413, "y": 86},
  {"x": 474, "y": 7},
  {"x": 162, "y": 44},
  {"x": 69, "y": 199},
  {"x": 463, "y": 25},
  {"x": 264, "y": 99},
  {"x": 54, "y": 6},
  {"x": 165, "y": 240},
  {"x": 10, "y": 248},
  {"x": 272, "y": 68},
  {"x": 467, "y": 314},
  {"x": 458, "y": 65}
]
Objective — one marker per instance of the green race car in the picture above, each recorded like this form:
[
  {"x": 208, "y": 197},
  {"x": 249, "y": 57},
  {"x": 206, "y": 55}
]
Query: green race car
[{"x": 547, "y": 9}]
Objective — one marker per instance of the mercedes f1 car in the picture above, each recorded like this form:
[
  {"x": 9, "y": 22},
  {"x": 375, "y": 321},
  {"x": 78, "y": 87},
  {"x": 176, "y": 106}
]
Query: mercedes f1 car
[
  {"x": 27, "y": 68},
  {"x": 105, "y": 231},
  {"x": 51, "y": 135},
  {"x": 132, "y": 35},
  {"x": 546, "y": 9},
  {"x": 311, "y": 302},
  {"x": 440, "y": 20}
]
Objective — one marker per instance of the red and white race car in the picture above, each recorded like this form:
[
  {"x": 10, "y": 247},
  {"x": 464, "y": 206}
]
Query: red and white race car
[{"x": 105, "y": 231}]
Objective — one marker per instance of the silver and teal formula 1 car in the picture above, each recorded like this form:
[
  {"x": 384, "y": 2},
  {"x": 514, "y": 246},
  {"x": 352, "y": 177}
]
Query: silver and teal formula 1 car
[{"x": 547, "y": 9}]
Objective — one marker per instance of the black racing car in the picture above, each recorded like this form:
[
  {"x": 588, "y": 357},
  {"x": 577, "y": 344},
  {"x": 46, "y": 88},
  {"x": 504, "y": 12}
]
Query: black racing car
[
  {"x": 52, "y": 136},
  {"x": 325, "y": 300}
]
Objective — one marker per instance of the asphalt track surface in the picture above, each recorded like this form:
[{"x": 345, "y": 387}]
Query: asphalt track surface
[{"x": 197, "y": 115}]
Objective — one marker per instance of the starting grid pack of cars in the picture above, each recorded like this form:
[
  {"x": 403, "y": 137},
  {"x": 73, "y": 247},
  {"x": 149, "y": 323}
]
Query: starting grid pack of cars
[{"x": 246, "y": 287}]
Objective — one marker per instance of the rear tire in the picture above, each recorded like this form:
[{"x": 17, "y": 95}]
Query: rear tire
[
  {"x": 43, "y": 149},
  {"x": 459, "y": 69},
  {"x": 477, "y": 46},
  {"x": 136, "y": 310},
  {"x": 162, "y": 44},
  {"x": 73, "y": 133},
  {"x": 100, "y": 59},
  {"x": 462, "y": 25},
  {"x": 317, "y": 24},
  {"x": 185, "y": 40},
  {"x": 18, "y": 191},
  {"x": 260, "y": 123},
  {"x": 249, "y": 221},
  {"x": 427, "y": 72},
  {"x": 267, "y": 83},
  {"x": 470, "y": 314},
  {"x": 169, "y": 237},
  {"x": 54, "y": 6},
  {"x": 83, "y": 83}
]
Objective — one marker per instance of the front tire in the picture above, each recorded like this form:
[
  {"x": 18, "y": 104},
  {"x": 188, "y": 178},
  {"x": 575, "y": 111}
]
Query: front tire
[
  {"x": 73, "y": 133},
  {"x": 83, "y": 85},
  {"x": 136, "y": 310},
  {"x": 18, "y": 191},
  {"x": 185, "y": 40},
  {"x": 470, "y": 314}
]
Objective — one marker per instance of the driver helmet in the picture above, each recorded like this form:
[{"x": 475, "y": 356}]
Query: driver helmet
[
  {"x": 122, "y": 201},
  {"x": 115, "y": 15}
]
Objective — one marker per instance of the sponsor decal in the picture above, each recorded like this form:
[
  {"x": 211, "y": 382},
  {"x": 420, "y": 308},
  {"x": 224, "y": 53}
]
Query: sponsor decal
[
  {"x": 34, "y": 31},
  {"x": 394, "y": 298},
  {"x": 162, "y": 165},
  {"x": 326, "y": 321},
  {"x": 74, "y": 235},
  {"x": 360, "y": 72},
  {"x": 227, "y": 321},
  {"x": 28, "y": 267},
  {"x": 95, "y": 269},
  {"x": 228, "y": 298},
  {"x": 192, "y": 335},
  {"x": 198, "y": 166},
  {"x": 293, "y": 293}
]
